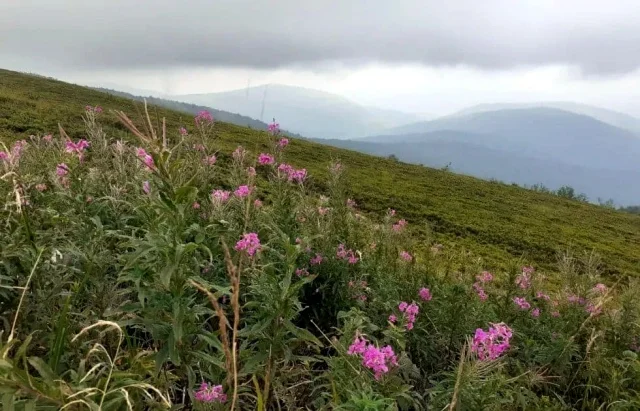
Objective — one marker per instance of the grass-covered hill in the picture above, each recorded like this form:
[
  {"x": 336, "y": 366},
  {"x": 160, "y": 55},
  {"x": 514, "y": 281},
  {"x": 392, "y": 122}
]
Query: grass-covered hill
[{"x": 498, "y": 222}]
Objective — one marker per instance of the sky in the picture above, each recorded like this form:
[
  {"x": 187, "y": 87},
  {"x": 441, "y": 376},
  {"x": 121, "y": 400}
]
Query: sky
[{"x": 418, "y": 56}]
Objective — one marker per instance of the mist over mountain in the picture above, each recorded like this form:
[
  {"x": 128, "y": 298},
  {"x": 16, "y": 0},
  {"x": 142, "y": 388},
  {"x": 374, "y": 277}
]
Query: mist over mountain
[
  {"x": 308, "y": 112},
  {"x": 544, "y": 133},
  {"x": 615, "y": 118}
]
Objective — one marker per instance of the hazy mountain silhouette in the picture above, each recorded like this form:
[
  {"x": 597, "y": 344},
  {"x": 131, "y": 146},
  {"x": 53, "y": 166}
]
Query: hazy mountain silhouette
[{"x": 312, "y": 113}]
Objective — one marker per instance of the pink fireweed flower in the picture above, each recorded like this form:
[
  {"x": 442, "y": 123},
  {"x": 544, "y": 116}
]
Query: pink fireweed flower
[
  {"x": 535, "y": 313},
  {"x": 257, "y": 203},
  {"x": 203, "y": 118},
  {"x": 406, "y": 256},
  {"x": 425, "y": 294},
  {"x": 358, "y": 346},
  {"x": 251, "y": 172},
  {"x": 542, "y": 296},
  {"x": 220, "y": 196},
  {"x": 195, "y": 205},
  {"x": 265, "y": 159},
  {"x": 489, "y": 345},
  {"x": 145, "y": 157},
  {"x": 302, "y": 272},
  {"x": 524, "y": 280},
  {"x": 402, "y": 306},
  {"x": 146, "y": 187},
  {"x": 397, "y": 227},
  {"x": 393, "y": 319},
  {"x": 62, "y": 170},
  {"x": 317, "y": 260},
  {"x": 555, "y": 314},
  {"x": 239, "y": 153},
  {"x": 210, "y": 393},
  {"x": 210, "y": 160},
  {"x": 47, "y": 138},
  {"x": 298, "y": 175},
  {"x": 285, "y": 169},
  {"x": 3, "y": 155},
  {"x": 41, "y": 187},
  {"x": 273, "y": 128},
  {"x": 242, "y": 191},
  {"x": 572, "y": 298},
  {"x": 283, "y": 142},
  {"x": 485, "y": 277},
  {"x": 199, "y": 147},
  {"x": 379, "y": 360},
  {"x": 183, "y": 131},
  {"x": 76, "y": 148},
  {"x": 249, "y": 243},
  {"x": 593, "y": 309},
  {"x": 599, "y": 288},
  {"x": 522, "y": 303},
  {"x": 374, "y": 359}
]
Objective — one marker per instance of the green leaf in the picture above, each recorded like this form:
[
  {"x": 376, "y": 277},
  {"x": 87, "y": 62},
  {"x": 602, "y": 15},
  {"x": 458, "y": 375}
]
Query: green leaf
[
  {"x": 43, "y": 369},
  {"x": 302, "y": 334},
  {"x": 8, "y": 402}
]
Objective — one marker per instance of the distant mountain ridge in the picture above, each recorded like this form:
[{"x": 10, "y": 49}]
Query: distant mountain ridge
[
  {"x": 615, "y": 118},
  {"x": 309, "y": 112},
  {"x": 219, "y": 115}
]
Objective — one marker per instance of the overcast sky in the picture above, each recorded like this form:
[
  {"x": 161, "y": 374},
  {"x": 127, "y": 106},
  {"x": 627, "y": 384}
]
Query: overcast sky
[{"x": 413, "y": 55}]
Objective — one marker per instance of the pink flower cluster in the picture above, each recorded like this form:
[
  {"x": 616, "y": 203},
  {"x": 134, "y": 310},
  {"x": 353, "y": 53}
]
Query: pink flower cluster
[
  {"x": 482, "y": 279},
  {"x": 522, "y": 303},
  {"x": 250, "y": 243},
  {"x": 542, "y": 296},
  {"x": 239, "y": 153},
  {"x": 524, "y": 280},
  {"x": 220, "y": 196},
  {"x": 572, "y": 298},
  {"x": 323, "y": 210},
  {"x": 77, "y": 148},
  {"x": 145, "y": 157},
  {"x": 291, "y": 173},
  {"x": 274, "y": 128},
  {"x": 203, "y": 118},
  {"x": 183, "y": 131},
  {"x": 317, "y": 260},
  {"x": 242, "y": 191},
  {"x": 425, "y": 294},
  {"x": 489, "y": 345},
  {"x": 62, "y": 170},
  {"x": 406, "y": 256},
  {"x": 599, "y": 288},
  {"x": 210, "y": 393},
  {"x": 397, "y": 227},
  {"x": 96, "y": 109},
  {"x": 265, "y": 159},
  {"x": 345, "y": 254},
  {"x": 16, "y": 152},
  {"x": 302, "y": 272},
  {"x": 283, "y": 142},
  {"x": 379, "y": 360},
  {"x": 410, "y": 313},
  {"x": 146, "y": 187},
  {"x": 209, "y": 160}
]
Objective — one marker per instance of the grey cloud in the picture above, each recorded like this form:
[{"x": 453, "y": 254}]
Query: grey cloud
[{"x": 597, "y": 36}]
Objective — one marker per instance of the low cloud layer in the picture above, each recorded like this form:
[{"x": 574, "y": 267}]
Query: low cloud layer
[{"x": 598, "y": 37}]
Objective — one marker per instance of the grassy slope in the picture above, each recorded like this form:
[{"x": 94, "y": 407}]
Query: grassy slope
[{"x": 493, "y": 220}]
